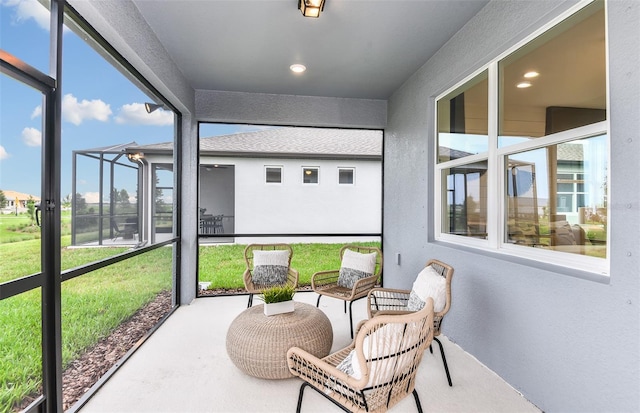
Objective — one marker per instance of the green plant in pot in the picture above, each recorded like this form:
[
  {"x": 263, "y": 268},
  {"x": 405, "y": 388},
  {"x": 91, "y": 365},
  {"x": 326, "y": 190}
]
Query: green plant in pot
[{"x": 278, "y": 299}]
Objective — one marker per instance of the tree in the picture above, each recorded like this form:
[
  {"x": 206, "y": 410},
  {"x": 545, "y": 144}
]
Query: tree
[
  {"x": 31, "y": 209},
  {"x": 3, "y": 199},
  {"x": 81, "y": 204},
  {"x": 123, "y": 197},
  {"x": 66, "y": 202}
]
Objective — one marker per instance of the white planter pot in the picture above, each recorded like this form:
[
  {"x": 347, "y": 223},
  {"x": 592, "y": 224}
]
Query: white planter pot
[{"x": 278, "y": 308}]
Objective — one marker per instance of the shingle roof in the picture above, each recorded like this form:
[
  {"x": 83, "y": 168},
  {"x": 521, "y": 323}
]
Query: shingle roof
[{"x": 290, "y": 142}]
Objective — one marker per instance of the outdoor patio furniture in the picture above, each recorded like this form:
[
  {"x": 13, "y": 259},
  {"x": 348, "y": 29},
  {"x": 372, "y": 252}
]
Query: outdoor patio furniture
[
  {"x": 268, "y": 265},
  {"x": 377, "y": 370},
  {"x": 359, "y": 272},
  {"x": 211, "y": 224},
  {"x": 393, "y": 301},
  {"x": 258, "y": 344},
  {"x": 127, "y": 231}
]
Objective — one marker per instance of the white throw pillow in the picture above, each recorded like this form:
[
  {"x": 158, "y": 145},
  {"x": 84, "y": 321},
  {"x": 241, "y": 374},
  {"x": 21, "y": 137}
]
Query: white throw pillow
[
  {"x": 355, "y": 266},
  {"x": 379, "y": 345},
  {"x": 270, "y": 267},
  {"x": 428, "y": 283}
]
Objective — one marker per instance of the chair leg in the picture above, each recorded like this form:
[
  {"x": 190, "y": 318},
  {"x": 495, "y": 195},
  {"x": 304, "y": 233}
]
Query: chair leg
[
  {"x": 345, "y": 307},
  {"x": 431, "y": 348},
  {"x": 250, "y": 303},
  {"x": 444, "y": 361},
  {"x": 300, "y": 396},
  {"x": 350, "y": 316},
  {"x": 318, "y": 302},
  {"x": 418, "y": 405}
]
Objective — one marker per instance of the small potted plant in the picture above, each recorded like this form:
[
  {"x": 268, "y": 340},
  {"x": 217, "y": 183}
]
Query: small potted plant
[{"x": 278, "y": 299}]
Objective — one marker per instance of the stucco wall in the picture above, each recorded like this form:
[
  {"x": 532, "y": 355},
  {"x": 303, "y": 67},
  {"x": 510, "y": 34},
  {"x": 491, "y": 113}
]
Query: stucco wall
[
  {"x": 294, "y": 207},
  {"x": 566, "y": 342}
]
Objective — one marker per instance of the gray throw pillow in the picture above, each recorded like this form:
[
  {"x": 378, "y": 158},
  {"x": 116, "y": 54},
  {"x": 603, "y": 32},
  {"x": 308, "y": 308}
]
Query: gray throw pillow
[
  {"x": 355, "y": 266},
  {"x": 270, "y": 267}
]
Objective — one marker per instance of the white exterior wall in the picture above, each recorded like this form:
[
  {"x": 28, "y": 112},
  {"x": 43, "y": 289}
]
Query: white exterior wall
[
  {"x": 294, "y": 207},
  {"x": 291, "y": 207}
]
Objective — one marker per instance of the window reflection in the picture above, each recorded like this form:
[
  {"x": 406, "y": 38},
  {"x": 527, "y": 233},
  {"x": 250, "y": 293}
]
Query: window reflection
[
  {"x": 466, "y": 200},
  {"x": 564, "y": 72},
  {"x": 557, "y": 197},
  {"x": 462, "y": 120}
]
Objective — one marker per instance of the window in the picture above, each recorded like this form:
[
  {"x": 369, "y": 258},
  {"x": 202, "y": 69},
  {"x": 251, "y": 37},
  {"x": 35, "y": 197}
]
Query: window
[
  {"x": 536, "y": 186},
  {"x": 346, "y": 176},
  {"x": 273, "y": 174},
  {"x": 310, "y": 175}
]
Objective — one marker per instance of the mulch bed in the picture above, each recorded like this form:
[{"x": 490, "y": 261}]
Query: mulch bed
[{"x": 87, "y": 369}]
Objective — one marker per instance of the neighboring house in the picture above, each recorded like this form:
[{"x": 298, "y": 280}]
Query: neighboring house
[
  {"x": 277, "y": 181},
  {"x": 17, "y": 201}
]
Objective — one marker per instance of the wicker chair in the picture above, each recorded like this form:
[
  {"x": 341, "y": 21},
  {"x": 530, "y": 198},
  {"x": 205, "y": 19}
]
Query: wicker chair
[
  {"x": 326, "y": 282},
  {"x": 391, "y": 301},
  {"x": 255, "y": 288},
  {"x": 377, "y": 370}
]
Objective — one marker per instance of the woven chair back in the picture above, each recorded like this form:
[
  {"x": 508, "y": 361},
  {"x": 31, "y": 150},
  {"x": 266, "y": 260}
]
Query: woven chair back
[
  {"x": 389, "y": 349},
  {"x": 365, "y": 250},
  {"x": 248, "y": 252}
]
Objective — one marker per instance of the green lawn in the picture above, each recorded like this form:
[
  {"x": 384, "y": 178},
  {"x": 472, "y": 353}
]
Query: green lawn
[
  {"x": 93, "y": 305},
  {"x": 223, "y": 265}
]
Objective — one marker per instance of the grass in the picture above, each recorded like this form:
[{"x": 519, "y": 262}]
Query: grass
[
  {"x": 93, "y": 305},
  {"x": 223, "y": 265}
]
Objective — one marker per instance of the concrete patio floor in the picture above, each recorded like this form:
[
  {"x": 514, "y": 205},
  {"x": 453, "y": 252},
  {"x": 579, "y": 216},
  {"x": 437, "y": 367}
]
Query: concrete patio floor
[{"x": 184, "y": 367}]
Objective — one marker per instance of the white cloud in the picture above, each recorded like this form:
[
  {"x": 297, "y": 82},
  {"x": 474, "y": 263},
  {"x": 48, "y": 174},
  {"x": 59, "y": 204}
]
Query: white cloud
[
  {"x": 91, "y": 197},
  {"x": 32, "y": 137},
  {"x": 136, "y": 114},
  {"x": 77, "y": 112},
  {"x": 29, "y": 9},
  {"x": 3, "y": 153},
  {"x": 37, "y": 112}
]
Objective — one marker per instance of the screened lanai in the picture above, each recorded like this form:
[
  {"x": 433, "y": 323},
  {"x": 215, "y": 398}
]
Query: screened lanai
[
  {"x": 108, "y": 211},
  {"x": 519, "y": 308}
]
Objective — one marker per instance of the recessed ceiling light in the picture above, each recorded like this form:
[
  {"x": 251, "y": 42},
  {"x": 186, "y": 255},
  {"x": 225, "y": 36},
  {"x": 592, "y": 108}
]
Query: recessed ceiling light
[
  {"x": 297, "y": 68},
  {"x": 532, "y": 74},
  {"x": 523, "y": 85}
]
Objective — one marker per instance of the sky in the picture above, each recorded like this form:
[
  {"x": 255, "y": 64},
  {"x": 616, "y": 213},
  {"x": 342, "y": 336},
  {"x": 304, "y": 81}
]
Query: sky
[{"x": 100, "y": 106}]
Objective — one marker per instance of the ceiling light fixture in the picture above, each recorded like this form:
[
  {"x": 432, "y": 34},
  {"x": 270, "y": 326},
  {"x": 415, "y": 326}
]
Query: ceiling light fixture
[
  {"x": 523, "y": 85},
  {"x": 531, "y": 74},
  {"x": 297, "y": 68},
  {"x": 311, "y": 8}
]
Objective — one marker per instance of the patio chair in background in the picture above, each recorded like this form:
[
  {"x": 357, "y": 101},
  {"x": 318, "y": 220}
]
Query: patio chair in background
[
  {"x": 377, "y": 370},
  {"x": 359, "y": 272},
  {"x": 127, "y": 231},
  {"x": 433, "y": 281},
  {"x": 268, "y": 265}
]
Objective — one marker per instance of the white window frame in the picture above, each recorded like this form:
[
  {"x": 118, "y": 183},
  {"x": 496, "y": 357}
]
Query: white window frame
[
  {"x": 317, "y": 169},
  {"x": 353, "y": 174},
  {"x": 495, "y": 158},
  {"x": 280, "y": 167}
]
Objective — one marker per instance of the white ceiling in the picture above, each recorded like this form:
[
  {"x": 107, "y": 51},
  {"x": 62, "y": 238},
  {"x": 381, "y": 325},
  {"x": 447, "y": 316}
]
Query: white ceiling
[{"x": 356, "y": 49}]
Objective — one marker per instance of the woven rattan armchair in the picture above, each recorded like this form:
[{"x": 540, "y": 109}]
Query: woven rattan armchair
[
  {"x": 254, "y": 287},
  {"x": 325, "y": 283},
  {"x": 392, "y": 301},
  {"x": 377, "y": 370}
]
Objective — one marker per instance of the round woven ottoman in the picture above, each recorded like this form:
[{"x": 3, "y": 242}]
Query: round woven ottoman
[{"x": 258, "y": 344}]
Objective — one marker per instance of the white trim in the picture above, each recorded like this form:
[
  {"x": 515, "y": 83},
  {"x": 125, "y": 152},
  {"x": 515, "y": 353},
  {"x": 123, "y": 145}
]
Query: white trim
[
  {"x": 280, "y": 167},
  {"x": 495, "y": 157},
  {"x": 317, "y": 169},
  {"x": 353, "y": 175}
]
